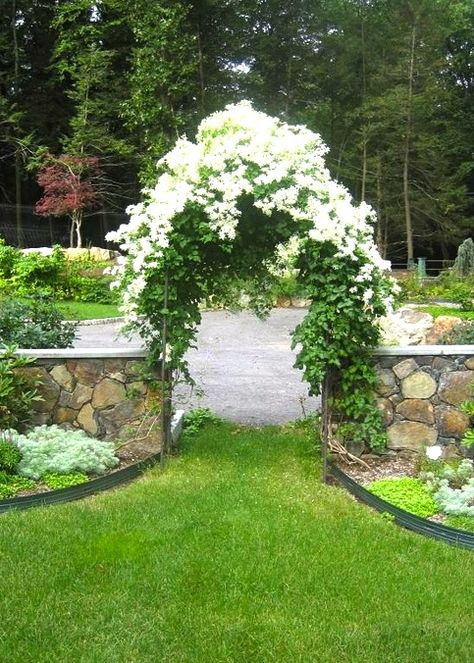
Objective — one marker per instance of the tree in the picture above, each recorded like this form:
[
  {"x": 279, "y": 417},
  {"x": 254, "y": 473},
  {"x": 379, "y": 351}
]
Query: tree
[{"x": 70, "y": 188}]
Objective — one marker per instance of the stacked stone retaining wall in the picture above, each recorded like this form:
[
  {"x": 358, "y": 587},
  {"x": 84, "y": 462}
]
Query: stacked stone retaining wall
[
  {"x": 420, "y": 391},
  {"x": 100, "y": 391}
]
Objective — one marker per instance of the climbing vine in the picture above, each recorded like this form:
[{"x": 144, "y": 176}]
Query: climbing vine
[{"x": 223, "y": 211}]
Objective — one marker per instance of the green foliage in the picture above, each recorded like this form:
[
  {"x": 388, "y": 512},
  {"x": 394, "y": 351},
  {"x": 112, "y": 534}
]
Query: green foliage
[
  {"x": 9, "y": 256},
  {"x": 449, "y": 285},
  {"x": 18, "y": 390},
  {"x": 50, "y": 449},
  {"x": 33, "y": 271},
  {"x": 36, "y": 323},
  {"x": 338, "y": 334},
  {"x": 468, "y": 408},
  {"x": 196, "y": 419},
  {"x": 462, "y": 334},
  {"x": 78, "y": 280},
  {"x": 461, "y": 522},
  {"x": 11, "y": 484},
  {"x": 406, "y": 493},
  {"x": 10, "y": 456},
  {"x": 436, "y": 311},
  {"x": 464, "y": 263},
  {"x": 55, "y": 481}
]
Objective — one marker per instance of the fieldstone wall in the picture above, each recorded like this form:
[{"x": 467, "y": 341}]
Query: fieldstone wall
[
  {"x": 420, "y": 392},
  {"x": 105, "y": 396}
]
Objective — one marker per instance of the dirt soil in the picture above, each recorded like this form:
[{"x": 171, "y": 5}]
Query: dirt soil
[{"x": 379, "y": 467}]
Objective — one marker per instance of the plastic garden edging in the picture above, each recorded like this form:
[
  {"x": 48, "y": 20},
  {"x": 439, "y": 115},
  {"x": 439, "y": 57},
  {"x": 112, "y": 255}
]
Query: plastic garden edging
[{"x": 408, "y": 520}]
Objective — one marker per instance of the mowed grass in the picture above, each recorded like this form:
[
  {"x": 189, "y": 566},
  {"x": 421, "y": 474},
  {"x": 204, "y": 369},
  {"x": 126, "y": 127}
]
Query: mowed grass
[
  {"x": 235, "y": 553},
  {"x": 88, "y": 310},
  {"x": 436, "y": 311}
]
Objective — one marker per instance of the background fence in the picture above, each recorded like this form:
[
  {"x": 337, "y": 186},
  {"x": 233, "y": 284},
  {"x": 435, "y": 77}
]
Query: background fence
[{"x": 36, "y": 231}]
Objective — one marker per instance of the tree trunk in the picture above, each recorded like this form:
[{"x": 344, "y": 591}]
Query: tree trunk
[
  {"x": 406, "y": 160},
  {"x": 379, "y": 234},
  {"x": 16, "y": 84}
]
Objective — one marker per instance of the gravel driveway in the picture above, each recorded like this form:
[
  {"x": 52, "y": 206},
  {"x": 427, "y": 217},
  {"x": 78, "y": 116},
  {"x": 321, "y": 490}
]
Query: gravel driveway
[{"x": 243, "y": 366}]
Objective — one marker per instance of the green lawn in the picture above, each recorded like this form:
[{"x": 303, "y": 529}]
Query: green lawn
[
  {"x": 436, "y": 311},
  {"x": 88, "y": 310},
  {"x": 236, "y": 553}
]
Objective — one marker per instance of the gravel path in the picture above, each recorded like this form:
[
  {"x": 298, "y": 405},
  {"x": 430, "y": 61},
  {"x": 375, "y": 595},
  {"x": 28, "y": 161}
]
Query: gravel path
[{"x": 243, "y": 366}]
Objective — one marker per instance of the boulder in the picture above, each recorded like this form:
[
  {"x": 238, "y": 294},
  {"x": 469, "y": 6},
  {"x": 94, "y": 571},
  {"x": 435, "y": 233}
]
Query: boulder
[
  {"x": 107, "y": 393},
  {"x": 452, "y": 422},
  {"x": 406, "y": 326},
  {"x": 387, "y": 384},
  {"x": 404, "y": 368},
  {"x": 416, "y": 409},
  {"x": 455, "y": 387},
  {"x": 411, "y": 435},
  {"x": 386, "y": 408},
  {"x": 418, "y": 385}
]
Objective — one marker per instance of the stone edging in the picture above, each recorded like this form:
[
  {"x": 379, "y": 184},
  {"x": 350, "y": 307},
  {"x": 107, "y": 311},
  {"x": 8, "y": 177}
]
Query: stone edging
[{"x": 93, "y": 486}]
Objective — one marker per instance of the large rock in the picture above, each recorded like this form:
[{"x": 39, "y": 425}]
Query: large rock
[
  {"x": 64, "y": 415},
  {"x": 63, "y": 377},
  {"x": 86, "y": 419},
  {"x": 452, "y": 422},
  {"x": 387, "y": 384},
  {"x": 411, "y": 435},
  {"x": 87, "y": 371},
  {"x": 441, "y": 326},
  {"x": 470, "y": 363},
  {"x": 405, "y": 327},
  {"x": 418, "y": 385},
  {"x": 48, "y": 389},
  {"x": 386, "y": 408},
  {"x": 456, "y": 387},
  {"x": 404, "y": 368},
  {"x": 81, "y": 395},
  {"x": 107, "y": 393},
  {"x": 122, "y": 414},
  {"x": 417, "y": 409}
]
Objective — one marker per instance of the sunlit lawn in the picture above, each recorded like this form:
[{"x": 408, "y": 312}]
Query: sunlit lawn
[{"x": 235, "y": 553}]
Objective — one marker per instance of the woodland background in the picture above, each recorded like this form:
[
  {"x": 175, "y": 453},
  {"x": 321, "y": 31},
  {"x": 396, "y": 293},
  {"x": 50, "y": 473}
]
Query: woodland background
[{"x": 389, "y": 84}]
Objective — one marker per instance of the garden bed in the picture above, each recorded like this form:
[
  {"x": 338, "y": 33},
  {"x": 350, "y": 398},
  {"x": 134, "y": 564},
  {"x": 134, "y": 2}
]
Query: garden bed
[
  {"x": 134, "y": 458},
  {"x": 358, "y": 480}
]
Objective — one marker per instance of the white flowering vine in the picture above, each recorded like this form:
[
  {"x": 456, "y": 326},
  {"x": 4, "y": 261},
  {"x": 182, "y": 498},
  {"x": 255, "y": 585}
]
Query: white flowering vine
[{"x": 227, "y": 207}]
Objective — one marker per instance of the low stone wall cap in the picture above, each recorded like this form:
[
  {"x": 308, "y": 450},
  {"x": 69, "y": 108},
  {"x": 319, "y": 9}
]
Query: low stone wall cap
[
  {"x": 418, "y": 350},
  {"x": 84, "y": 353}
]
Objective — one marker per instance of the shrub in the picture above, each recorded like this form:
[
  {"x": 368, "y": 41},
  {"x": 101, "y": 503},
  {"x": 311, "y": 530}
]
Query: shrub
[
  {"x": 196, "y": 419},
  {"x": 10, "y": 455},
  {"x": 462, "y": 334},
  {"x": 38, "y": 272},
  {"x": 406, "y": 493},
  {"x": 18, "y": 391},
  {"x": 464, "y": 263},
  {"x": 34, "y": 324},
  {"x": 50, "y": 449},
  {"x": 9, "y": 256},
  {"x": 455, "y": 501}
]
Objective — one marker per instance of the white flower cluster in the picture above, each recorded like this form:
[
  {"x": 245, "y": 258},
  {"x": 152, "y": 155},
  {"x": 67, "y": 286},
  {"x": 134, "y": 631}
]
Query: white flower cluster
[{"x": 242, "y": 151}]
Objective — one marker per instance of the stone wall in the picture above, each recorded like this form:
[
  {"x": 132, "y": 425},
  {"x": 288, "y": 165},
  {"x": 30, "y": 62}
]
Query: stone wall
[
  {"x": 99, "y": 391},
  {"x": 420, "y": 390}
]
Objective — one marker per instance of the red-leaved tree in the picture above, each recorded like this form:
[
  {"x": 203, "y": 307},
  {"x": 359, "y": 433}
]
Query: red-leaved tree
[{"x": 69, "y": 189}]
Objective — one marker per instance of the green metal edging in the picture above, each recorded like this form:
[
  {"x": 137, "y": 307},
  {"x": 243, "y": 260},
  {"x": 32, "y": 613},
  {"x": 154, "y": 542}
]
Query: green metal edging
[
  {"x": 93, "y": 486},
  {"x": 82, "y": 490},
  {"x": 408, "y": 520}
]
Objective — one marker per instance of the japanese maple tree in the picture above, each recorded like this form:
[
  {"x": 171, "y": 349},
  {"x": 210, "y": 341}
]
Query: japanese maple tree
[{"x": 69, "y": 189}]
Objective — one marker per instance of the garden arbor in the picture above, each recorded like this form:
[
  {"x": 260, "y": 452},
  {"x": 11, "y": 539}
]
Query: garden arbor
[{"x": 250, "y": 193}]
